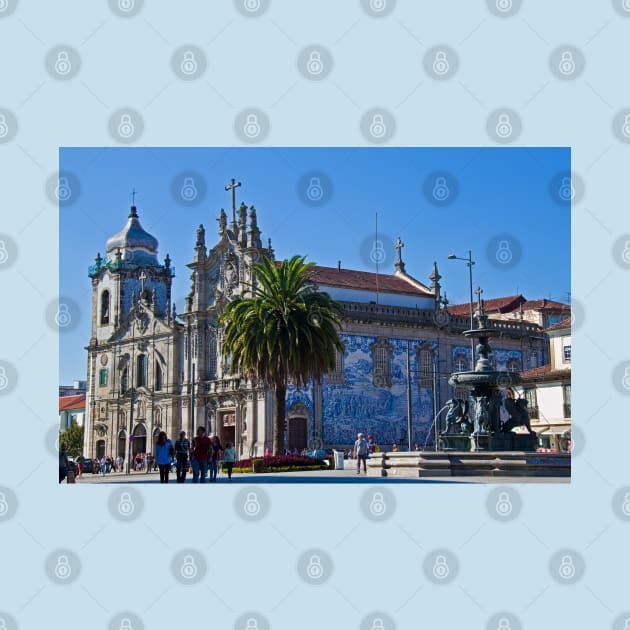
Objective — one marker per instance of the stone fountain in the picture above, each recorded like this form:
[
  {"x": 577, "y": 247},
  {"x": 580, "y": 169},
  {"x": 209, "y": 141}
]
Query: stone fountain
[{"x": 475, "y": 424}]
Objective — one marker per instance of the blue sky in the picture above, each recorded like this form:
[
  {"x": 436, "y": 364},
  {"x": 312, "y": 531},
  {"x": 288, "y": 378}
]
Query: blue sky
[{"x": 492, "y": 195}]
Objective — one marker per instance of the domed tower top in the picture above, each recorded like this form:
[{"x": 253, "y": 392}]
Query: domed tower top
[{"x": 136, "y": 245}]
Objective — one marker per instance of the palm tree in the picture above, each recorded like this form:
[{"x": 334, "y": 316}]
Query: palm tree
[{"x": 286, "y": 329}]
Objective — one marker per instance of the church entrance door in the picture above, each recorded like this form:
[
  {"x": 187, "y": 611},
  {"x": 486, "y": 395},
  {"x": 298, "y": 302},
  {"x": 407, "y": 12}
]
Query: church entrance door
[
  {"x": 100, "y": 449},
  {"x": 228, "y": 428},
  {"x": 139, "y": 439},
  {"x": 298, "y": 434}
]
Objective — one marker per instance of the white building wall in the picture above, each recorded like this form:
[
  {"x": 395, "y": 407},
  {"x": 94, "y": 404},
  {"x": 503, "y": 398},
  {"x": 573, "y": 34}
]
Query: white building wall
[
  {"x": 365, "y": 297},
  {"x": 550, "y": 402}
]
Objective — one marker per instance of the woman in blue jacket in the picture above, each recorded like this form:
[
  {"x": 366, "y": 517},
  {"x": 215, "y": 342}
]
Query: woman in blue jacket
[{"x": 164, "y": 451}]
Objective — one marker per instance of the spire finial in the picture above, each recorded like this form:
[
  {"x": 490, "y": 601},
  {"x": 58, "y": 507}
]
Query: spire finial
[{"x": 400, "y": 265}]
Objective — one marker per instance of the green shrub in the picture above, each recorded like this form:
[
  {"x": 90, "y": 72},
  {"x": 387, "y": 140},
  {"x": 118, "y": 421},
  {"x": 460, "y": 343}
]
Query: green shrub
[{"x": 258, "y": 465}]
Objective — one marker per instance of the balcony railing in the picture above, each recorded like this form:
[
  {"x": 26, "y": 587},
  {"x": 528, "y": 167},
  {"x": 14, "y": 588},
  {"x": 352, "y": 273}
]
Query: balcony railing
[{"x": 114, "y": 265}]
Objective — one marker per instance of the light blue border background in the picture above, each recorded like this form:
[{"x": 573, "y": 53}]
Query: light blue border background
[{"x": 378, "y": 62}]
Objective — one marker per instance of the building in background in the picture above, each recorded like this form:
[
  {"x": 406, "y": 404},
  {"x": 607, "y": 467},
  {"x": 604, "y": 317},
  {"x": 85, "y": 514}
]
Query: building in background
[
  {"x": 152, "y": 369},
  {"x": 77, "y": 387},
  {"x": 71, "y": 409},
  {"x": 548, "y": 389}
]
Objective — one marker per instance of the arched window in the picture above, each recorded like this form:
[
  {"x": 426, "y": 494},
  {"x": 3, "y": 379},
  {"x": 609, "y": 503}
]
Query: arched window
[
  {"x": 124, "y": 380},
  {"x": 105, "y": 307},
  {"x": 460, "y": 363},
  {"x": 141, "y": 372},
  {"x": 158, "y": 376}
]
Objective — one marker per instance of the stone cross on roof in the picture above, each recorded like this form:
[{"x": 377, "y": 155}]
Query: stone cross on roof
[
  {"x": 233, "y": 186},
  {"x": 142, "y": 277}
]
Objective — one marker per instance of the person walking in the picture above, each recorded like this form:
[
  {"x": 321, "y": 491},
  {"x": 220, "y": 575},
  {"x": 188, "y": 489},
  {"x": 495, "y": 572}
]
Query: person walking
[
  {"x": 217, "y": 449},
  {"x": 361, "y": 449},
  {"x": 63, "y": 463},
  {"x": 229, "y": 457},
  {"x": 201, "y": 453},
  {"x": 182, "y": 453},
  {"x": 371, "y": 444},
  {"x": 80, "y": 464},
  {"x": 164, "y": 451}
]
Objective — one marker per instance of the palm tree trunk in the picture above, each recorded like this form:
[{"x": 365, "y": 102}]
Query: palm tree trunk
[{"x": 279, "y": 413}]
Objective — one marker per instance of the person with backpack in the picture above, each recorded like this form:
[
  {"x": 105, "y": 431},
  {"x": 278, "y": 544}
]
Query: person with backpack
[
  {"x": 361, "y": 450},
  {"x": 182, "y": 451},
  {"x": 164, "y": 452},
  {"x": 216, "y": 456},
  {"x": 201, "y": 454}
]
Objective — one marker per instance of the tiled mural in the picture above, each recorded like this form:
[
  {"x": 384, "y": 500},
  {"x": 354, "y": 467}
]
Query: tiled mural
[{"x": 358, "y": 406}]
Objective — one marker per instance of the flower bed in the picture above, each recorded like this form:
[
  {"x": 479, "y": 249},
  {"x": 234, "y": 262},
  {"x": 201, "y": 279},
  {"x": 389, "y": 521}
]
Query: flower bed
[{"x": 277, "y": 463}]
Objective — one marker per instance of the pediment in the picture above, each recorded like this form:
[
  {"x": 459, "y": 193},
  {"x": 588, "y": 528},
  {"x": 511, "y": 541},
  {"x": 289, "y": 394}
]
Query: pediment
[{"x": 141, "y": 322}]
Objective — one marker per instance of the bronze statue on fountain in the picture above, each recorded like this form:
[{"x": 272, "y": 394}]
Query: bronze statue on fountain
[{"x": 486, "y": 432}]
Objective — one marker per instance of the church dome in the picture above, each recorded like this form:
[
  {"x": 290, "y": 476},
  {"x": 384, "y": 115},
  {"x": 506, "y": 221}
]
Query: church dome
[{"x": 134, "y": 242}]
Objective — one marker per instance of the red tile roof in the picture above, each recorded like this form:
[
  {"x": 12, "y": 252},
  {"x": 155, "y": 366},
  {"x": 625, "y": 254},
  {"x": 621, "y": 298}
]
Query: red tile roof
[
  {"x": 494, "y": 305},
  {"x": 545, "y": 305},
  {"x": 66, "y": 403},
  {"x": 510, "y": 304},
  {"x": 565, "y": 323},
  {"x": 366, "y": 281},
  {"x": 538, "y": 371}
]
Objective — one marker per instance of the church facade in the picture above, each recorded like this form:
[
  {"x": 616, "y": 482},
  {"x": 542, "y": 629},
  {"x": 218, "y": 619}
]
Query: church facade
[{"x": 151, "y": 368}]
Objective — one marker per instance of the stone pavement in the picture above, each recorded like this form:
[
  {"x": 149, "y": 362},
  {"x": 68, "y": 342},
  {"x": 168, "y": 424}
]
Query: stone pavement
[{"x": 347, "y": 476}]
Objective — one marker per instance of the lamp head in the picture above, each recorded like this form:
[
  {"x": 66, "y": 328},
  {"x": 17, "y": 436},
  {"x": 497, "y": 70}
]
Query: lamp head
[{"x": 452, "y": 257}]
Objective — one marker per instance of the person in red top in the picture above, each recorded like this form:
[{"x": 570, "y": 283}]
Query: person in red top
[{"x": 201, "y": 454}]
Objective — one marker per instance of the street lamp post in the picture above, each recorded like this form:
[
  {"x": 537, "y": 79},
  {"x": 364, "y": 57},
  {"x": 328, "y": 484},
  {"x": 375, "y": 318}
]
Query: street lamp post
[{"x": 469, "y": 262}]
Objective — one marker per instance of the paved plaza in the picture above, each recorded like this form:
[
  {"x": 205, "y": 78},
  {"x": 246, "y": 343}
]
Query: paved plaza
[{"x": 346, "y": 476}]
